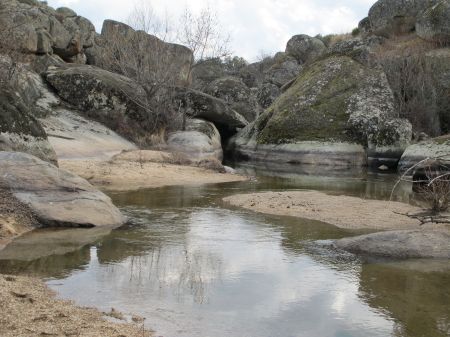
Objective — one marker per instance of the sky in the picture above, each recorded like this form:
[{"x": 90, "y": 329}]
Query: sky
[{"x": 255, "y": 26}]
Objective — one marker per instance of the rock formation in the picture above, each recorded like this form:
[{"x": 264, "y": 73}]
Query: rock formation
[
  {"x": 57, "y": 197},
  {"x": 336, "y": 106}
]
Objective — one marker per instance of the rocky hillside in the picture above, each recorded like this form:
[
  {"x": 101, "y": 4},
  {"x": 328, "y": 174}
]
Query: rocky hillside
[{"x": 342, "y": 100}]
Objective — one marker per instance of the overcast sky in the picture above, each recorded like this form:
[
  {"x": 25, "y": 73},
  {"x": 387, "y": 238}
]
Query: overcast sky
[{"x": 254, "y": 25}]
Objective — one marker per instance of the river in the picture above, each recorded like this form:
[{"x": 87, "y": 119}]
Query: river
[{"x": 194, "y": 267}]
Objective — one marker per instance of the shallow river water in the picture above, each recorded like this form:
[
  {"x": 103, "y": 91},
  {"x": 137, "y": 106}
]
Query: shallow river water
[{"x": 195, "y": 267}]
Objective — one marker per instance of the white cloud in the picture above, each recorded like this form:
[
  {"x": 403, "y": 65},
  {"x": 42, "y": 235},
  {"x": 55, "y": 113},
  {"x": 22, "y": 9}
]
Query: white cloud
[{"x": 255, "y": 25}]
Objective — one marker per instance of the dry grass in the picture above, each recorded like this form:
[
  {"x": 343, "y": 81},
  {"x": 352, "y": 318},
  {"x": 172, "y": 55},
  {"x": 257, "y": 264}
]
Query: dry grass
[
  {"x": 29, "y": 308},
  {"x": 339, "y": 38},
  {"x": 403, "y": 59}
]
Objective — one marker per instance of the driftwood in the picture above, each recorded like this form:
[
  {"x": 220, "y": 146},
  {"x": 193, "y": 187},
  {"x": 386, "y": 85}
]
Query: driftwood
[{"x": 428, "y": 217}]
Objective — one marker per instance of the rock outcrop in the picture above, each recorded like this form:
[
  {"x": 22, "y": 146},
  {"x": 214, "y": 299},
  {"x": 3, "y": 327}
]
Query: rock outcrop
[
  {"x": 39, "y": 29},
  {"x": 358, "y": 48},
  {"x": 200, "y": 105},
  {"x": 434, "y": 23},
  {"x": 200, "y": 141},
  {"x": 400, "y": 244},
  {"x": 335, "y": 105},
  {"x": 20, "y": 131},
  {"x": 73, "y": 137},
  {"x": 118, "y": 38},
  {"x": 432, "y": 149},
  {"x": 305, "y": 48},
  {"x": 57, "y": 197},
  {"x": 392, "y": 17},
  {"x": 238, "y": 96},
  {"x": 111, "y": 99}
]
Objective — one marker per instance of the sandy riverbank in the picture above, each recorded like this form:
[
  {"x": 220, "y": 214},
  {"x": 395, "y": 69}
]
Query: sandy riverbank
[
  {"x": 341, "y": 211},
  {"x": 29, "y": 308},
  {"x": 131, "y": 172}
]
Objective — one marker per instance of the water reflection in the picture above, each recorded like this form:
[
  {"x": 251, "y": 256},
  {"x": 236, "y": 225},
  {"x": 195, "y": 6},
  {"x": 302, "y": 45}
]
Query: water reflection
[
  {"x": 417, "y": 298},
  {"x": 194, "y": 267}
]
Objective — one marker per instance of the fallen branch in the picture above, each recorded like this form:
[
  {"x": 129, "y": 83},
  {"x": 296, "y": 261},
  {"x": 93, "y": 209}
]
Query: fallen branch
[{"x": 427, "y": 217}]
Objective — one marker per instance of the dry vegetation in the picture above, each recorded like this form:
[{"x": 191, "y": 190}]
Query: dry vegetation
[
  {"x": 29, "y": 308},
  {"x": 411, "y": 79}
]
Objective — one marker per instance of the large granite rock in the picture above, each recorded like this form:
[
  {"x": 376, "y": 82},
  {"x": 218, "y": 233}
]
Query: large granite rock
[
  {"x": 267, "y": 94},
  {"x": 206, "y": 72},
  {"x": 20, "y": 131},
  {"x": 170, "y": 61},
  {"x": 284, "y": 69},
  {"x": 305, "y": 48},
  {"x": 432, "y": 149},
  {"x": 359, "y": 48},
  {"x": 434, "y": 23},
  {"x": 238, "y": 96},
  {"x": 200, "y": 105},
  {"x": 400, "y": 244},
  {"x": 39, "y": 29},
  {"x": 111, "y": 99},
  {"x": 57, "y": 197},
  {"x": 335, "y": 106},
  {"x": 200, "y": 141},
  {"x": 74, "y": 137},
  {"x": 392, "y": 17}
]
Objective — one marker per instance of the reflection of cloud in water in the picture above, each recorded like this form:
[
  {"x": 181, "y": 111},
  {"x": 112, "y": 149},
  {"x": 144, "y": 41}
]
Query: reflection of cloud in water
[{"x": 228, "y": 275}]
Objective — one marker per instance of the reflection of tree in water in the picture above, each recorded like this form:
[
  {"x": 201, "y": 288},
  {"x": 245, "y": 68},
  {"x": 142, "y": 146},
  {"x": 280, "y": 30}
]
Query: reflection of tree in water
[
  {"x": 157, "y": 255},
  {"x": 419, "y": 301},
  {"x": 182, "y": 271}
]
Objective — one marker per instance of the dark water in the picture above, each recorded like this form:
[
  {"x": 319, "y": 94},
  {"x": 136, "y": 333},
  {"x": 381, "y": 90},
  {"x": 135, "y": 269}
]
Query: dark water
[{"x": 195, "y": 267}]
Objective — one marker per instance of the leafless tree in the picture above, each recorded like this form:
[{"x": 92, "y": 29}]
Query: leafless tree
[
  {"x": 431, "y": 181},
  {"x": 204, "y": 34},
  {"x": 141, "y": 51},
  {"x": 412, "y": 82}
]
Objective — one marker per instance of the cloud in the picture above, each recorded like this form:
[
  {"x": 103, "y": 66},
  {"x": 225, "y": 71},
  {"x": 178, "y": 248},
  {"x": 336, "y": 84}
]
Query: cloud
[{"x": 255, "y": 25}]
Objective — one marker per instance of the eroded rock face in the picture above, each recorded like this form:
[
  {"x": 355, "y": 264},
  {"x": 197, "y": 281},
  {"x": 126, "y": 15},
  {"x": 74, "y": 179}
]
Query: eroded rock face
[
  {"x": 57, "y": 197},
  {"x": 415, "y": 153},
  {"x": 200, "y": 141},
  {"x": 116, "y": 37},
  {"x": 212, "y": 109},
  {"x": 400, "y": 244},
  {"x": 434, "y": 23},
  {"x": 20, "y": 131},
  {"x": 239, "y": 97},
  {"x": 109, "y": 98},
  {"x": 305, "y": 48},
  {"x": 359, "y": 49},
  {"x": 334, "y": 101},
  {"x": 39, "y": 29},
  {"x": 392, "y": 17}
]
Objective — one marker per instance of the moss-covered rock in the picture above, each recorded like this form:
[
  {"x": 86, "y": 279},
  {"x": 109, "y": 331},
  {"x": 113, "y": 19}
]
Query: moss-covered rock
[
  {"x": 434, "y": 23},
  {"x": 240, "y": 98},
  {"x": 305, "y": 48},
  {"x": 392, "y": 17},
  {"x": 20, "y": 131},
  {"x": 433, "y": 149},
  {"x": 109, "y": 98},
  {"x": 335, "y": 100}
]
